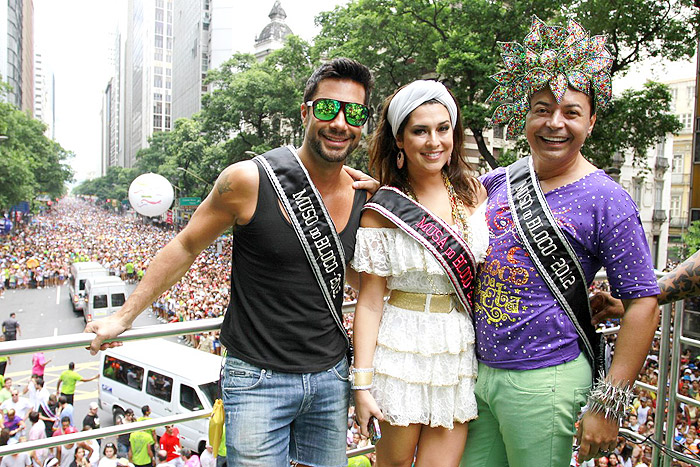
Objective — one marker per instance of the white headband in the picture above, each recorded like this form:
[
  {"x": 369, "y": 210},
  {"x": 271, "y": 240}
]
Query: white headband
[{"x": 418, "y": 92}]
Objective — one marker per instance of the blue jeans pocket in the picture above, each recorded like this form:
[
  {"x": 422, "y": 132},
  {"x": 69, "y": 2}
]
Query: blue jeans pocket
[
  {"x": 341, "y": 370},
  {"x": 241, "y": 376}
]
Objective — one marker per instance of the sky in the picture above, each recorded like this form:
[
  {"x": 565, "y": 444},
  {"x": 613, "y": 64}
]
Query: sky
[{"x": 75, "y": 38}]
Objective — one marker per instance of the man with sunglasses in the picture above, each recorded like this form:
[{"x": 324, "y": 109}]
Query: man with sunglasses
[{"x": 285, "y": 379}]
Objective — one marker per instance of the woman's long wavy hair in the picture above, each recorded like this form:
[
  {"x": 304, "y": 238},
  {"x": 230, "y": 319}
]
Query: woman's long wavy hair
[{"x": 383, "y": 152}]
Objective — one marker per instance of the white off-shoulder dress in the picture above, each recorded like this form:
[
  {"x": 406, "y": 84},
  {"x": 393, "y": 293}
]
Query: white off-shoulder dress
[{"x": 425, "y": 365}]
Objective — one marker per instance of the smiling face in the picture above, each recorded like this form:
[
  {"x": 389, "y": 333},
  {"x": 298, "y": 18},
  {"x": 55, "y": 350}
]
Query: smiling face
[
  {"x": 426, "y": 139},
  {"x": 334, "y": 140},
  {"x": 556, "y": 131}
]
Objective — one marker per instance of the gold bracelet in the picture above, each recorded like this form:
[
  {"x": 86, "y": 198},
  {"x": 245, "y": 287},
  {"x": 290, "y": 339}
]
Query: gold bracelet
[{"x": 361, "y": 378}]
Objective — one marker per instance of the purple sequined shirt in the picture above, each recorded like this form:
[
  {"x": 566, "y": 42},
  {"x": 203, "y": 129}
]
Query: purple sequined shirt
[{"x": 519, "y": 324}]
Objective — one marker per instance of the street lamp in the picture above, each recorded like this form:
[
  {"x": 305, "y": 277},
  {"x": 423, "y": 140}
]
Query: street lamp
[{"x": 193, "y": 174}]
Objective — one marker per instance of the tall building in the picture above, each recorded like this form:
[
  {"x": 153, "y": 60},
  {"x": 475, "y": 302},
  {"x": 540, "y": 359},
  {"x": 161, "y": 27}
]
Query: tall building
[
  {"x": 111, "y": 113},
  {"x": 683, "y": 92},
  {"x": 27, "y": 87},
  {"x": 191, "y": 32},
  {"x": 16, "y": 52},
  {"x": 44, "y": 103},
  {"x": 273, "y": 34},
  {"x": 168, "y": 48},
  {"x": 203, "y": 40},
  {"x": 148, "y": 73}
]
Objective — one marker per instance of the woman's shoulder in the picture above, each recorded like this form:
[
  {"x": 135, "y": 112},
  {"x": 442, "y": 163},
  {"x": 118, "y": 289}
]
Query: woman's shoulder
[{"x": 372, "y": 219}]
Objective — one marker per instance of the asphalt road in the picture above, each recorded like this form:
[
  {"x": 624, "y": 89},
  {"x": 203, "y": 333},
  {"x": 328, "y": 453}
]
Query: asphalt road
[{"x": 47, "y": 312}]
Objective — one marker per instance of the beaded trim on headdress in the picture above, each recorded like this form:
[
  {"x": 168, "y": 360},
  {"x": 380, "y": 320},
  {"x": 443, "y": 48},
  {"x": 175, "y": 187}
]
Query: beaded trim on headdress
[{"x": 554, "y": 56}]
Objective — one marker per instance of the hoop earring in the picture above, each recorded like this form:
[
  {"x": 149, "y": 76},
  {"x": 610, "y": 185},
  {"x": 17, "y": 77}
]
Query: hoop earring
[{"x": 400, "y": 159}]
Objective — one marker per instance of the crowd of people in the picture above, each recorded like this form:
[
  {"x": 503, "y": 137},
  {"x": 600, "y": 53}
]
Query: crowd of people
[
  {"x": 40, "y": 254},
  {"x": 642, "y": 416}
]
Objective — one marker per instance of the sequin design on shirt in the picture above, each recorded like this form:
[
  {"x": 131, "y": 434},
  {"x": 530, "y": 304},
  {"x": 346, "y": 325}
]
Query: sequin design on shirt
[{"x": 519, "y": 324}]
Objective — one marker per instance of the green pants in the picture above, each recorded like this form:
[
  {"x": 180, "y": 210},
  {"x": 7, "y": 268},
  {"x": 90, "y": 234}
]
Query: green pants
[{"x": 526, "y": 418}]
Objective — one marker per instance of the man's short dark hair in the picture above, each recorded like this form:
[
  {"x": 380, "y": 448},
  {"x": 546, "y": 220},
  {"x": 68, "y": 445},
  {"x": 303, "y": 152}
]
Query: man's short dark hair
[
  {"x": 71, "y": 366},
  {"x": 65, "y": 419},
  {"x": 62, "y": 400},
  {"x": 162, "y": 455},
  {"x": 145, "y": 410},
  {"x": 340, "y": 68},
  {"x": 39, "y": 381}
]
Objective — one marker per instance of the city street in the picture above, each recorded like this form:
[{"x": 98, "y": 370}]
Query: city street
[{"x": 48, "y": 312}]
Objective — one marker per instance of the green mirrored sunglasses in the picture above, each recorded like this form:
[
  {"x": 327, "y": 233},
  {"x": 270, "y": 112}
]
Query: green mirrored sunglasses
[{"x": 327, "y": 109}]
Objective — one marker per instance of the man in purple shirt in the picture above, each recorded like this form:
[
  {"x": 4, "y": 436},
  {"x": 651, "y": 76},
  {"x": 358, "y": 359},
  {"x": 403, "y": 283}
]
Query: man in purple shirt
[{"x": 534, "y": 376}]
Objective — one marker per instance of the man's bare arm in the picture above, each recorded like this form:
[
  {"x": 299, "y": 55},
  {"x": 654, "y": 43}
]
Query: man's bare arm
[
  {"x": 631, "y": 348},
  {"x": 682, "y": 282},
  {"x": 228, "y": 203}
]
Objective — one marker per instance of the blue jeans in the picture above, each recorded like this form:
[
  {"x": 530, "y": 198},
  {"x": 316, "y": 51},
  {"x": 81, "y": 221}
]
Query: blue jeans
[{"x": 273, "y": 418}]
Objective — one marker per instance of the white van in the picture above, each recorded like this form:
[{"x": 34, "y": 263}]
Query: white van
[
  {"x": 168, "y": 377},
  {"x": 104, "y": 296},
  {"x": 79, "y": 274}
]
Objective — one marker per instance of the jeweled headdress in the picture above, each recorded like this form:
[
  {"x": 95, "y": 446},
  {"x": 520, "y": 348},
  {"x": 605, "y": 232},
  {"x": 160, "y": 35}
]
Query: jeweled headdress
[{"x": 554, "y": 56}]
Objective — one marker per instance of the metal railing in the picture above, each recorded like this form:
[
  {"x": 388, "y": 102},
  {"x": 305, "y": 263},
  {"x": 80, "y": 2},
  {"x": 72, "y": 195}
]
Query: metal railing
[
  {"x": 662, "y": 443},
  {"x": 69, "y": 341}
]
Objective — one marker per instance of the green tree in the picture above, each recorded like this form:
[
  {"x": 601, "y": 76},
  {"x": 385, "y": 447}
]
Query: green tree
[
  {"x": 113, "y": 185},
  {"x": 30, "y": 163},
  {"x": 634, "y": 121},
  {"x": 639, "y": 29},
  {"x": 255, "y": 106},
  {"x": 691, "y": 239}
]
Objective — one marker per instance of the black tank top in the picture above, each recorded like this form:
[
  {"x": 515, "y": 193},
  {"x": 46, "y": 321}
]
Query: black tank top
[{"x": 277, "y": 317}]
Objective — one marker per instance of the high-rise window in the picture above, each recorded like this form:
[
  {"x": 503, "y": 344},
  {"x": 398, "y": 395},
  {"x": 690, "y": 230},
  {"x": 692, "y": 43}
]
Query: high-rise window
[
  {"x": 658, "y": 194},
  {"x": 677, "y": 164},
  {"x": 637, "y": 191},
  {"x": 675, "y": 206},
  {"x": 687, "y": 121}
]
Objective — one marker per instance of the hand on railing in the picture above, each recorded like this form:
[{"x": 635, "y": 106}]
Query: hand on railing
[{"x": 105, "y": 329}]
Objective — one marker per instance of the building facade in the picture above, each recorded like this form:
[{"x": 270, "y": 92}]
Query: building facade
[
  {"x": 148, "y": 74},
  {"x": 112, "y": 111},
  {"x": 12, "y": 53},
  {"x": 27, "y": 79},
  {"x": 650, "y": 189},
  {"x": 273, "y": 34},
  {"x": 191, "y": 26},
  {"x": 44, "y": 92},
  {"x": 683, "y": 92}
]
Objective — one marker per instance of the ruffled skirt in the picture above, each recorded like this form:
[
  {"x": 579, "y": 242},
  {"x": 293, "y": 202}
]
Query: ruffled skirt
[{"x": 425, "y": 367}]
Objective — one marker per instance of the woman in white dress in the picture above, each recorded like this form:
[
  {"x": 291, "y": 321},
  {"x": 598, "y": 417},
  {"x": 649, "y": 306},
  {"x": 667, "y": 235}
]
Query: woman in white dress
[{"x": 414, "y": 353}]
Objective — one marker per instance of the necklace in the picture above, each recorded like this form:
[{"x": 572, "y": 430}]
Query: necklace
[
  {"x": 459, "y": 212},
  {"x": 459, "y": 216}
]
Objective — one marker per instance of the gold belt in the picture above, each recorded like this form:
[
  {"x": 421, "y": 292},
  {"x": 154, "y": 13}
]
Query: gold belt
[{"x": 432, "y": 303}]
